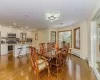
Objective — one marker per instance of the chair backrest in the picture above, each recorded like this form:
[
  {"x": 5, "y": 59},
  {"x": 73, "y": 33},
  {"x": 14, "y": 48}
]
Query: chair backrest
[
  {"x": 63, "y": 44},
  {"x": 33, "y": 58},
  {"x": 68, "y": 45},
  {"x": 49, "y": 46},
  {"x": 42, "y": 48},
  {"x": 53, "y": 44}
]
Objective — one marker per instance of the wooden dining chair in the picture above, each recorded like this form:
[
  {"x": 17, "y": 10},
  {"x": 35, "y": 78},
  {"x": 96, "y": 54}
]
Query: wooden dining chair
[
  {"x": 42, "y": 48},
  {"x": 49, "y": 46},
  {"x": 38, "y": 65},
  {"x": 56, "y": 64},
  {"x": 65, "y": 53},
  {"x": 53, "y": 45}
]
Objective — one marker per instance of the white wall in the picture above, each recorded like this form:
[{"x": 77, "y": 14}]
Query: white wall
[
  {"x": 43, "y": 37},
  {"x": 83, "y": 52}
]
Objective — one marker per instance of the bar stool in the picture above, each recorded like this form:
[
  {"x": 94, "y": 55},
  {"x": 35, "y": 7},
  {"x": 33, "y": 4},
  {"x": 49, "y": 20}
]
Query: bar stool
[
  {"x": 19, "y": 54},
  {"x": 27, "y": 51}
]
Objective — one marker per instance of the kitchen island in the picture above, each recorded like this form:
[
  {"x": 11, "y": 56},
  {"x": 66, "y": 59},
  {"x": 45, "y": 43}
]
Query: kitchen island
[{"x": 23, "y": 47}]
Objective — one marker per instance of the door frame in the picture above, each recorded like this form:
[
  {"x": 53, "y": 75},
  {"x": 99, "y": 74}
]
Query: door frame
[{"x": 93, "y": 35}]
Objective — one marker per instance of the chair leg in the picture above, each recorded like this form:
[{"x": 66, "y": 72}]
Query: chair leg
[
  {"x": 37, "y": 76},
  {"x": 57, "y": 73},
  {"x": 49, "y": 75}
]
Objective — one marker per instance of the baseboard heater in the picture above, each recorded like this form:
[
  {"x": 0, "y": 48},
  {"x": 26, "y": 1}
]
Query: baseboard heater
[{"x": 76, "y": 54}]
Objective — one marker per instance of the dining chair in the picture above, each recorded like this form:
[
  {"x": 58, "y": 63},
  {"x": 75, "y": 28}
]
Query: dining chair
[
  {"x": 42, "y": 48},
  {"x": 65, "y": 53},
  {"x": 38, "y": 65},
  {"x": 53, "y": 45},
  {"x": 19, "y": 52},
  {"x": 56, "y": 64},
  {"x": 49, "y": 47}
]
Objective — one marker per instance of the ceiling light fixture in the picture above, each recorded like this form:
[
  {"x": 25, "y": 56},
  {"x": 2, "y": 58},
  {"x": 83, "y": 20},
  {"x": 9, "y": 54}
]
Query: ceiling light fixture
[
  {"x": 27, "y": 27},
  {"x": 10, "y": 26},
  {"x": 14, "y": 24},
  {"x": 52, "y": 16}
]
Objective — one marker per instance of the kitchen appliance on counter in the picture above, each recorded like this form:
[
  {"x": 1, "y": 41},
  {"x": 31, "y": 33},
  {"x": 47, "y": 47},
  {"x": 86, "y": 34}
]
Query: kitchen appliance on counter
[
  {"x": 29, "y": 40},
  {"x": 11, "y": 41},
  {"x": 3, "y": 40}
]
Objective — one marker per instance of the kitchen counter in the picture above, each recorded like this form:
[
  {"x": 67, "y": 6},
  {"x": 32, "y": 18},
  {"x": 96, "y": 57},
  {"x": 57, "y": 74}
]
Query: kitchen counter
[{"x": 4, "y": 48}]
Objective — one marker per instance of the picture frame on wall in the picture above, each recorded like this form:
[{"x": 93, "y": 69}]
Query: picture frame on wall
[
  {"x": 77, "y": 38},
  {"x": 36, "y": 36}
]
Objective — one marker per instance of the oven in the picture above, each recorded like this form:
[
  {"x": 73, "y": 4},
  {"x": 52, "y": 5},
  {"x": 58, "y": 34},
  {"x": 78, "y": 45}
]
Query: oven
[{"x": 10, "y": 47}]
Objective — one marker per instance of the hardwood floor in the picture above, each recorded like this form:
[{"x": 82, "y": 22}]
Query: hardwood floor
[{"x": 20, "y": 69}]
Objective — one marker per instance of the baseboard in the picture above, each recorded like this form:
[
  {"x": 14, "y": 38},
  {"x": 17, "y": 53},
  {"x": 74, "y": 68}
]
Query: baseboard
[
  {"x": 98, "y": 59},
  {"x": 96, "y": 73},
  {"x": 76, "y": 54}
]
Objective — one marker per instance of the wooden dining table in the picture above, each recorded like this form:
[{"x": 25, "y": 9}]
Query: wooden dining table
[{"x": 49, "y": 54}]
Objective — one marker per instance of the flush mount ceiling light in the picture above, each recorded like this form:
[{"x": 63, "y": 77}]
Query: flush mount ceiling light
[
  {"x": 52, "y": 16},
  {"x": 14, "y": 24},
  {"x": 27, "y": 27}
]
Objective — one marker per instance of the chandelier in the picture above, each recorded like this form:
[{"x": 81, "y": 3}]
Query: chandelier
[{"x": 52, "y": 16}]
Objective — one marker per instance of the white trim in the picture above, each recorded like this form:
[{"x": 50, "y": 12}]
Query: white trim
[
  {"x": 78, "y": 55},
  {"x": 98, "y": 59},
  {"x": 92, "y": 63},
  {"x": 96, "y": 73}
]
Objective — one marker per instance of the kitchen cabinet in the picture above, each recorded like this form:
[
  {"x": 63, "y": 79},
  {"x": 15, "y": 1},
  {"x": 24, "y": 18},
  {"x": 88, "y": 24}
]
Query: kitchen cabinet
[{"x": 4, "y": 49}]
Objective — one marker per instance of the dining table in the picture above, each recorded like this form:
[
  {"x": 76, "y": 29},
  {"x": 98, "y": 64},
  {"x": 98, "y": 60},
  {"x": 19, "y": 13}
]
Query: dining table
[{"x": 50, "y": 54}]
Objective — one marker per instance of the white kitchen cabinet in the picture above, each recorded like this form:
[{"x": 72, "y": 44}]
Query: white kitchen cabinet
[{"x": 4, "y": 49}]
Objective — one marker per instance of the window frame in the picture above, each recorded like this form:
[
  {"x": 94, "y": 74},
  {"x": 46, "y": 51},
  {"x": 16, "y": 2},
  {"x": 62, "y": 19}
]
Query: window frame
[
  {"x": 65, "y": 31},
  {"x": 75, "y": 38}
]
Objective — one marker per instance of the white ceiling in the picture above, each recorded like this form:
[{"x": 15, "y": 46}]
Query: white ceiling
[{"x": 17, "y": 11}]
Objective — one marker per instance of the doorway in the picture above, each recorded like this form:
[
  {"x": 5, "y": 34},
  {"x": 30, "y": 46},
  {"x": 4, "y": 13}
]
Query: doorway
[{"x": 95, "y": 44}]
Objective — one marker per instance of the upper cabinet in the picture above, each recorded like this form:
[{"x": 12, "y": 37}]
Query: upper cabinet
[{"x": 6, "y": 30}]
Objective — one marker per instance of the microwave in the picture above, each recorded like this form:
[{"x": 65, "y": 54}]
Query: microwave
[{"x": 11, "y": 35}]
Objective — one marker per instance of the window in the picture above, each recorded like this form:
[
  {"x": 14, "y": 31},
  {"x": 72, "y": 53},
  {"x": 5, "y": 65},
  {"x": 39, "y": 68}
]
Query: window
[
  {"x": 77, "y": 38},
  {"x": 53, "y": 36},
  {"x": 65, "y": 36}
]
